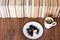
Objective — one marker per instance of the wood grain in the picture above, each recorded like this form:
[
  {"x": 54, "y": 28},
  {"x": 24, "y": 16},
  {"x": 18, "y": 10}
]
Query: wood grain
[{"x": 11, "y": 29}]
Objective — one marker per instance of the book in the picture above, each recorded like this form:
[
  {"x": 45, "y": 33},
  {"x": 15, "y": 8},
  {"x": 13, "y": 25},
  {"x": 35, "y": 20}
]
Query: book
[
  {"x": 40, "y": 11},
  {"x": 36, "y": 2},
  {"x": 36, "y": 8},
  {"x": 54, "y": 11},
  {"x": 12, "y": 8},
  {"x": 32, "y": 9},
  {"x": 55, "y": 3},
  {"x": 58, "y": 12},
  {"x": 58, "y": 2},
  {"x": 43, "y": 9},
  {"x": 2, "y": 12},
  {"x": 1, "y": 2},
  {"x": 18, "y": 8},
  {"x": 29, "y": 8},
  {"x": 22, "y": 12},
  {"x": 18, "y": 11},
  {"x": 40, "y": 8},
  {"x": 1, "y": 8},
  {"x": 26, "y": 7},
  {"x": 36, "y": 12},
  {"x": 5, "y": 11},
  {"x": 29, "y": 11}
]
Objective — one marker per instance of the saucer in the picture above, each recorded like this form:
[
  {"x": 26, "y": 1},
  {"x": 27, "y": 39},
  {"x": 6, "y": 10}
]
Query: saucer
[{"x": 38, "y": 25}]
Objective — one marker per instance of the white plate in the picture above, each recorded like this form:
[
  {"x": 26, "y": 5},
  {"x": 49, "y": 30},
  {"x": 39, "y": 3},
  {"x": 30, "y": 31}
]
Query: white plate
[{"x": 35, "y": 24}]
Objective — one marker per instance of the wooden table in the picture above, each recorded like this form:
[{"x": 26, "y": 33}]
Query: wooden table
[{"x": 11, "y": 29}]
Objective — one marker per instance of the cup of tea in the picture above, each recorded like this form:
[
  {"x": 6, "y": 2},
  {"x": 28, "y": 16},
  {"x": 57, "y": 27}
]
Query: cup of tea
[{"x": 49, "y": 22}]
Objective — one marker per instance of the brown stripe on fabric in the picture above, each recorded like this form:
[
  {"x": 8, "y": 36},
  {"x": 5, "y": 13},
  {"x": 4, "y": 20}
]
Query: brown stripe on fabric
[
  {"x": 49, "y": 5},
  {"x": 6, "y": 2},
  {"x": 0, "y": 2},
  {"x": 52, "y": 7},
  {"x": 43, "y": 8},
  {"x": 47, "y": 12},
  {"x": 4, "y": 14},
  {"x": 25, "y": 1},
  {"x": 12, "y": 8},
  {"x": 58, "y": 2},
  {"x": 24, "y": 8},
  {"x": 14, "y": 2},
  {"x": 46, "y": 3},
  {"x": 15, "y": 8},
  {"x": 29, "y": 8},
  {"x": 30, "y": 2},
  {"x": 55, "y": 4},
  {"x": 35, "y": 12},
  {"x": 8, "y": 8},
  {"x": 41, "y": 2},
  {"x": 40, "y": 10},
  {"x": 58, "y": 14},
  {"x": 52, "y": 3},
  {"x": 18, "y": 2},
  {"x": 3, "y": 2},
  {"x": 46, "y": 6},
  {"x": 53, "y": 11},
  {"x": 36, "y": 8},
  {"x": 22, "y": 2},
  {"x": 18, "y": 8},
  {"x": 5, "y": 10},
  {"x": 36, "y": 2},
  {"x": 56, "y": 9}
]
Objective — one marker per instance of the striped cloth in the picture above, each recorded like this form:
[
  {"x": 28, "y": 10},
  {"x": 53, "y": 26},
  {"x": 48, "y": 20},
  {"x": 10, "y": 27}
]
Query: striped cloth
[{"x": 29, "y": 8}]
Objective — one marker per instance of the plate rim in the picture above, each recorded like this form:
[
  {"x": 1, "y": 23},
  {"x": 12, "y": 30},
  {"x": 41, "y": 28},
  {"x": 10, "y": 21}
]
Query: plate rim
[{"x": 33, "y": 22}]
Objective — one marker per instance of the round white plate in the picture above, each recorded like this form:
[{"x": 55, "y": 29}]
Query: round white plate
[{"x": 35, "y": 24}]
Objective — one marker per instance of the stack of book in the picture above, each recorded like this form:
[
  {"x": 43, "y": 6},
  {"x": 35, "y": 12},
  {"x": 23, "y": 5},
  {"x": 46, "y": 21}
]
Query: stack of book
[{"x": 29, "y": 8}]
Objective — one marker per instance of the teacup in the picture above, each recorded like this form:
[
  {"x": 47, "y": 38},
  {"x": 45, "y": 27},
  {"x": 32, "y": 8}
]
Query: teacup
[{"x": 49, "y": 22}]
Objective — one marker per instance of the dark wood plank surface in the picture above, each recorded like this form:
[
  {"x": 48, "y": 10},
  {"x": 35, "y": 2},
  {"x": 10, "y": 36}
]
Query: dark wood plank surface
[{"x": 11, "y": 29}]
